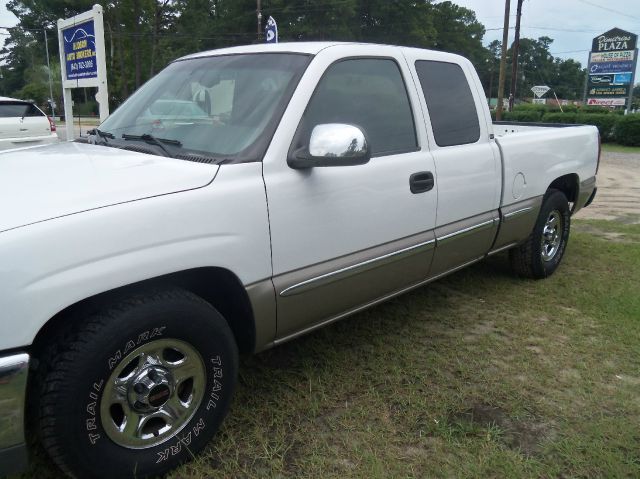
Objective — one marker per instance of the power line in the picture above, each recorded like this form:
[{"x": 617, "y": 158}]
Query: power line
[{"x": 587, "y": 2}]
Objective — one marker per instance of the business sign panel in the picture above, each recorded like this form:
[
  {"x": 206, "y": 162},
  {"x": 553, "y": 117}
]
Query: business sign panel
[
  {"x": 607, "y": 101},
  {"x": 612, "y": 63},
  {"x": 614, "y": 40},
  {"x": 609, "y": 90},
  {"x": 622, "y": 78},
  {"x": 623, "y": 56},
  {"x": 79, "y": 43}
]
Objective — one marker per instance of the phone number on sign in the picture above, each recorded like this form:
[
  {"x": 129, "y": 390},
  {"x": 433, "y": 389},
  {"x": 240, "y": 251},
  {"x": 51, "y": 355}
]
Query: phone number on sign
[{"x": 81, "y": 65}]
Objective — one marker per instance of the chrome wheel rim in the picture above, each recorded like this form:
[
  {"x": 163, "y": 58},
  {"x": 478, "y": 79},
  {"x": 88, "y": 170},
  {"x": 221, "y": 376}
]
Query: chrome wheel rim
[
  {"x": 152, "y": 393},
  {"x": 551, "y": 236}
]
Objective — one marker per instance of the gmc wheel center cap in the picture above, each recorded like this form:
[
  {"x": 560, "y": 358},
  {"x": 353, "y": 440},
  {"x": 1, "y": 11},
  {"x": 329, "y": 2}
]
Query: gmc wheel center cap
[
  {"x": 150, "y": 389},
  {"x": 159, "y": 395}
]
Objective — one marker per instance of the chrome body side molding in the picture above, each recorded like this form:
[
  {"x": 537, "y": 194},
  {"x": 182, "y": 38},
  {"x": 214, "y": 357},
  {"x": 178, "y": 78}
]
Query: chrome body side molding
[
  {"x": 356, "y": 268},
  {"x": 370, "y": 304}
]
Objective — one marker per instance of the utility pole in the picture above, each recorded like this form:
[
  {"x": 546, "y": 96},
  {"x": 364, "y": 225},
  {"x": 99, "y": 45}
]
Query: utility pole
[
  {"x": 259, "y": 12},
  {"x": 46, "y": 47},
  {"x": 503, "y": 60},
  {"x": 514, "y": 57}
]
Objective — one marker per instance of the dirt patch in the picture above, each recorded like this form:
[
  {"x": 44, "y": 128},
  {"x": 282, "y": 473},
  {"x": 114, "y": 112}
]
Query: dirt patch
[
  {"x": 524, "y": 434},
  {"x": 618, "y": 196},
  {"x": 612, "y": 236}
]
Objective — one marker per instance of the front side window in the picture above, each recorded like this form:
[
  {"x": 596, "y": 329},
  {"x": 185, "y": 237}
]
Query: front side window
[
  {"x": 220, "y": 106},
  {"x": 453, "y": 113},
  {"x": 369, "y": 93}
]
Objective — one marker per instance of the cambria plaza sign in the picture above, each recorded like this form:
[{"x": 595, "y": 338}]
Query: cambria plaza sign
[{"x": 612, "y": 66}]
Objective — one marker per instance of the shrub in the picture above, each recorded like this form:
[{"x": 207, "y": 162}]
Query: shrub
[
  {"x": 627, "y": 131},
  {"x": 569, "y": 108},
  {"x": 559, "y": 118},
  {"x": 523, "y": 115},
  {"x": 603, "y": 121},
  {"x": 594, "y": 109},
  {"x": 530, "y": 107},
  {"x": 86, "y": 109}
]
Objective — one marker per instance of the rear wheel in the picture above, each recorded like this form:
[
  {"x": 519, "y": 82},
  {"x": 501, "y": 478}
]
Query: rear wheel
[
  {"x": 138, "y": 388},
  {"x": 540, "y": 255}
]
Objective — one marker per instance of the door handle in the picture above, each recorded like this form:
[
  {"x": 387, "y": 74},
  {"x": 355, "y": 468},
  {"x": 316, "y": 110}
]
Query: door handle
[{"x": 421, "y": 182}]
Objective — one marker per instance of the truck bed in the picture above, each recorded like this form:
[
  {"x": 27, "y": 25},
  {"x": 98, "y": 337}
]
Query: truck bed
[{"x": 535, "y": 154}]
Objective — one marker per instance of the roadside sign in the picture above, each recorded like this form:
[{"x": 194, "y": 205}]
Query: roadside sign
[
  {"x": 540, "y": 101},
  {"x": 612, "y": 63},
  {"x": 80, "y": 51},
  {"x": 539, "y": 90},
  {"x": 83, "y": 60},
  {"x": 606, "y": 101}
]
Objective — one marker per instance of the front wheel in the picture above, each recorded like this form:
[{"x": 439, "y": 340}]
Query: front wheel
[
  {"x": 540, "y": 255},
  {"x": 138, "y": 388}
]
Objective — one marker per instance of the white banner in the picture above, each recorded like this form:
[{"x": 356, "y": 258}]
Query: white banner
[{"x": 621, "y": 56}]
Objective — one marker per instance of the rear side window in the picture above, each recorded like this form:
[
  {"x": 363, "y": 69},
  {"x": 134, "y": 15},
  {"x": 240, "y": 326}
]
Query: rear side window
[
  {"x": 12, "y": 109},
  {"x": 450, "y": 103},
  {"x": 369, "y": 93},
  {"x": 32, "y": 110}
]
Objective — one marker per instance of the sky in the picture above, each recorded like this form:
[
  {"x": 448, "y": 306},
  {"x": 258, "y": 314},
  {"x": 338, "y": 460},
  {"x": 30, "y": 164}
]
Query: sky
[{"x": 571, "y": 23}]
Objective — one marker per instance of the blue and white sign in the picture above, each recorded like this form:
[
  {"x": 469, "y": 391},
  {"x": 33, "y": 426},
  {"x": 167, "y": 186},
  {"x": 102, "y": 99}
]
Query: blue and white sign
[
  {"x": 622, "y": 78},
  {"x": 271, "y": 31},
  {"x": 79, "y": 44},
  {"x": 610, "y": 67},
  {"x": 83, "y": 60}
]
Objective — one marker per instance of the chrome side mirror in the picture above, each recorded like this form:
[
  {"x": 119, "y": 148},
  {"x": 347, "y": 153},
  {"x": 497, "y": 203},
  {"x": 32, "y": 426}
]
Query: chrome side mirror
[{"x": 333, "y": 144}]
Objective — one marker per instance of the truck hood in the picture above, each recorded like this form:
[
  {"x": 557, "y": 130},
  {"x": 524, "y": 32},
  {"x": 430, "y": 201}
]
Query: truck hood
[{"x": 42, "y": 183}]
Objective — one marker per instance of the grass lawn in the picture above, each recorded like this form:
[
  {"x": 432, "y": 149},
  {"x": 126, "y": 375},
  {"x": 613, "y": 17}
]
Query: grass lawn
[
  {"x": 477, "y": 375},
  {"x": 616, "y": 148}
]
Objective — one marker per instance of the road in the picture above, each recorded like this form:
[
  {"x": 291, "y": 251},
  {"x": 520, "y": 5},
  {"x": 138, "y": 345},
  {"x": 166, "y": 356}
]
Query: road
[
  {"x": 618, "y": 196},
  {"x": 85, "y": 125}
]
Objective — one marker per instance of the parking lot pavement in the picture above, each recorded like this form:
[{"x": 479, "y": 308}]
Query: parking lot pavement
[
  {"x": 61, "y": 129},
  {"x": 618, "y": 196}
]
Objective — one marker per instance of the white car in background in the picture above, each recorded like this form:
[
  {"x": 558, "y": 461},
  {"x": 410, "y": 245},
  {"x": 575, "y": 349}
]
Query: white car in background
[{"x": 24, "y": 124}]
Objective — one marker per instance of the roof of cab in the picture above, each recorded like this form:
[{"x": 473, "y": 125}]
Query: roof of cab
[{"x": 309, "y": 48}]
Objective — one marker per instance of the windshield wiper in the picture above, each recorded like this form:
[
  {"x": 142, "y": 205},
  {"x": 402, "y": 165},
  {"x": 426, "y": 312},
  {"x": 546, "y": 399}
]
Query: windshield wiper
[
  {"x": 102, "y": 134},
  {"x": 149, "y": 138}
]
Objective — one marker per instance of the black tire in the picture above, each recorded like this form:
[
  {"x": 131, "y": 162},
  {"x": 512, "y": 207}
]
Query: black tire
[
  {"x": 527, "y": 259},
  {"x": 81, "y": 362}
]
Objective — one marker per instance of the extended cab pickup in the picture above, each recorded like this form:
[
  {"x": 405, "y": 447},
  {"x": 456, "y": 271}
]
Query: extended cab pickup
[{"x": 239, "y": 199}]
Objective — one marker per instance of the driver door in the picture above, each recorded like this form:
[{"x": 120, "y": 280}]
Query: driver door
[{"x": 346, "y": 236}]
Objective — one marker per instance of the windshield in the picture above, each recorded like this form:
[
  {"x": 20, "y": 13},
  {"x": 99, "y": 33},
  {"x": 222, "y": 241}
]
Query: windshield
[{"x": 219, "y": 106}]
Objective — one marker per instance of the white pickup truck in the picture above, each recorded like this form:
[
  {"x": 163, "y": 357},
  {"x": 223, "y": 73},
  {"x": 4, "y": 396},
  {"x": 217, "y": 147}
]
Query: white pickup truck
[{"x": 239, "y": 199}]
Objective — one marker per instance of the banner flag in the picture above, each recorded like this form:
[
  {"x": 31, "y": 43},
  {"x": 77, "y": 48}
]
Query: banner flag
[{"x": 271, "y": 31}]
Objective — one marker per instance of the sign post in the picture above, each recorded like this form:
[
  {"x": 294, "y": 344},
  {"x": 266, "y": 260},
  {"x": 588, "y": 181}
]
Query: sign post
[
  {"x": 82, "y": 60},
  {"x": 611, "y": 70}
]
